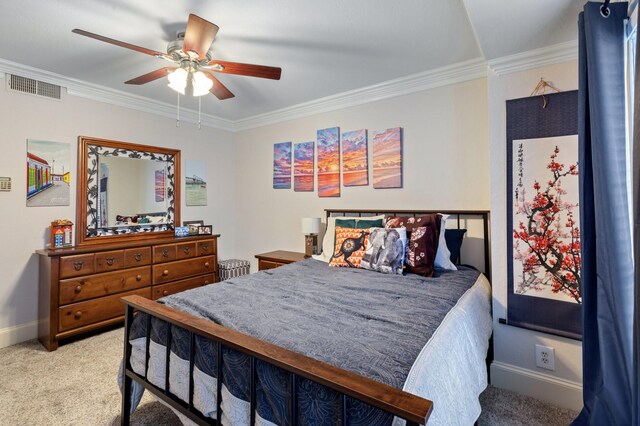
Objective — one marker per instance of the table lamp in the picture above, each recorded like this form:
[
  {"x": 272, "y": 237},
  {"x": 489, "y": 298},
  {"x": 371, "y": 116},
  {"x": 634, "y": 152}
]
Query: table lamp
[{"x": 310, "y": 228}]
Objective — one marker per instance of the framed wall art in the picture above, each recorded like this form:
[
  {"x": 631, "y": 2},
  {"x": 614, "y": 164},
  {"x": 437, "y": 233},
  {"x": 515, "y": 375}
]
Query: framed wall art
[
  {"x": 48, "y": 173},
  {"x": 543, "y": 223},
  {"x": 282, "y": 165},
  {"x": 387, "y": 158},
  {"x": 329, "y": 162},
  {"x": 196, "y": 183},
  {"x": 355, "y": 161},
  {"x": 303, "y": 162}
]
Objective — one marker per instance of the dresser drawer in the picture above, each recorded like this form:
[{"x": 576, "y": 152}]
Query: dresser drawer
[
  {"x": 88, "y": 287},
  {"x": 137, "y": 257},
  {"x": 206, "y": 248},
  {"x": 163, "y": 290},
  {"x": 186, "y": 250},
  {"x": 109, "y": 260},
  {"x": 74, "y": 266},
  {"x": 96, "y": 310},
  {"x": 183, "y": 269},
  {"x": 268, "y": 264},
  {"x": 164, "y": 253}
]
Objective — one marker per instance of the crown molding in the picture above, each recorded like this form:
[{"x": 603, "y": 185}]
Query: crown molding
[
  {"x": 444, "y": 76},
  {"x": 452, "y": 74},
  {"x": 535, "y": 58},
  {"x": 114, "y": 97}
]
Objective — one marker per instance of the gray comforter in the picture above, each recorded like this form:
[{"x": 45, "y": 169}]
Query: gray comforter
[{"x": 366, "y": 322}]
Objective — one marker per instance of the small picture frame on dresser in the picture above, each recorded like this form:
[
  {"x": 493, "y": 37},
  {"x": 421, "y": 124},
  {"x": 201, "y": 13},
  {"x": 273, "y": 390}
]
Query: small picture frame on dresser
[
  {"x": 205, "y": 230},
  {"x": 193, "y": 225}
]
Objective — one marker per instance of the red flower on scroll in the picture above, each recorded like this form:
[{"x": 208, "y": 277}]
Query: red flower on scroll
[{"x": 547, "y": 242}]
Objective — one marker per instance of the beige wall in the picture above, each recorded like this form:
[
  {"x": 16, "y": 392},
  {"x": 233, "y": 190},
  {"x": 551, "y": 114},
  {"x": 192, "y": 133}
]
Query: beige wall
[
  {"x": 514, "y": 367},
  {"x": 454, "y": 158},
  {"x": 445, "y": 155},
  {"x": 23, "y": 230}
]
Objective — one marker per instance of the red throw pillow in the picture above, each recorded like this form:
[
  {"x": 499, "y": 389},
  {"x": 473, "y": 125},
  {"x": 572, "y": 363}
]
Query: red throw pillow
[
  {"x": 423, "y": 233},
  {"x": 351, "y": 244}
]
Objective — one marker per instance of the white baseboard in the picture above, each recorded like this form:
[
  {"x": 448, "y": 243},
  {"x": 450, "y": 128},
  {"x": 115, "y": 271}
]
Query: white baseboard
[
  {"x": 554, "y": 390},
  {"x": 19, "y": 333}
]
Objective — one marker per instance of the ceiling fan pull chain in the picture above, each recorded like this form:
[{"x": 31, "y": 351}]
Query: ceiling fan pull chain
[
  {"x": 199, "y": 108},
  {"x": 178, "y": 119}
]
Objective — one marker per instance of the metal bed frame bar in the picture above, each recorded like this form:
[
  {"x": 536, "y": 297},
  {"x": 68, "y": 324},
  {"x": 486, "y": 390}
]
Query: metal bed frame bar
[{"x": 413, "y": 409}]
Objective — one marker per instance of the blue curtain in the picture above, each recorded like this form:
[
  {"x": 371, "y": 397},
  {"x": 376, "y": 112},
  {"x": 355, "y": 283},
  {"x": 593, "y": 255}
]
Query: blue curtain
[
  {"x": 607, "y": 263},
  {"x": 636, "y": 236}
]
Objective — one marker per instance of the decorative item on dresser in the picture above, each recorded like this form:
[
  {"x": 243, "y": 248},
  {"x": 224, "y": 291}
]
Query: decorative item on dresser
[
  {"x": 274, "y": 259},
  {"x": 81, "y": 287}
]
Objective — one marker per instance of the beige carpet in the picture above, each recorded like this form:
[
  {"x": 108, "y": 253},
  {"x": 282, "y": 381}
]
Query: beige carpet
[{"x": 76, "y": 385}]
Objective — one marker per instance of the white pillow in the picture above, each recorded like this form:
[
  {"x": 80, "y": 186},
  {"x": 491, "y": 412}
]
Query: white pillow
[
  {"x": 443, "y": 256},
  {"x": 328, "y": 241}
]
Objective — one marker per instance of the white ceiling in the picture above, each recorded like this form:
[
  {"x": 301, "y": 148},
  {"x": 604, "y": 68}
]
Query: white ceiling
[{"x": 323, "y": 47}]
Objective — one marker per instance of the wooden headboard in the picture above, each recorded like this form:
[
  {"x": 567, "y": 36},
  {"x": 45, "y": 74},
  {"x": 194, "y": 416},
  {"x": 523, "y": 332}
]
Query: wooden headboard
[{"x": 455, "y": 216}]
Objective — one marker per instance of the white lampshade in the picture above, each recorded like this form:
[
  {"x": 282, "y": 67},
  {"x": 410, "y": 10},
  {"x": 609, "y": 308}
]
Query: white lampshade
[
  {"x": 201, "y": 84},
  {"x": 178, "y": 80},
  {"x": 310, "y": 225}
]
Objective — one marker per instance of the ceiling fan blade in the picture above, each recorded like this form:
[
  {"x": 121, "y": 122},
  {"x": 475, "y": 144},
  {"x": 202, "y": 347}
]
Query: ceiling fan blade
[
  {"x": 219, "y": 89},
  {"x": 248, "y": 69},
  {"x": 199, "y": 36},
  {"x": 153, "y": 75},
  {"x": 118, "y": 43}
]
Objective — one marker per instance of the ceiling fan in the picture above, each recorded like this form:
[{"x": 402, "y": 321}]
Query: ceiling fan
[{"x": 190, "y": 52}]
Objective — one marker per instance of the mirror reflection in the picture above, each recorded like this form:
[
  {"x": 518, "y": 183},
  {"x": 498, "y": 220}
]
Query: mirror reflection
[
  {"x": 126, "y": 191},
  {"x": 131, "y": 191}
]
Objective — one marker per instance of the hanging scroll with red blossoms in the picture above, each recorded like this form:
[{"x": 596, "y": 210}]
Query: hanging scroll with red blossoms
[
  {"x": 543, "y": 220},
  {"x": 546, "y": 232}
]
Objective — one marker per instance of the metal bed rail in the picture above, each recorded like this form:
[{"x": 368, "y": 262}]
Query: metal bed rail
[{"x": 413, "y": 409}]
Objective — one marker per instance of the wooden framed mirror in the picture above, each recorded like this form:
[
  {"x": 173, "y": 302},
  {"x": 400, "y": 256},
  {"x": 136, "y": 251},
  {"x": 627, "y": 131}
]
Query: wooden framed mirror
[{"x": 126, "y": 191}]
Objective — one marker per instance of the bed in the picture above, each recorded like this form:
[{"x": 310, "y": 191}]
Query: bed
[{"x": 310, "y": 344}]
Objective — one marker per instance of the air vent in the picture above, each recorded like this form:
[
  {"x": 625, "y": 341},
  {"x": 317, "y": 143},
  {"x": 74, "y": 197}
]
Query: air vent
[{"x": 34, "y": 87}]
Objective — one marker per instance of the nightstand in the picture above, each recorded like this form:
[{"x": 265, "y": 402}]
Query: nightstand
[{"x": 273, "y": 259}]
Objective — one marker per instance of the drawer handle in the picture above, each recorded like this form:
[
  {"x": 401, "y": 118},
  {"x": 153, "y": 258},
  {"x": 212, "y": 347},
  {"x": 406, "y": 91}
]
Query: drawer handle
[
  {"x": 110, "y": 260},
  {"x": 78, "y": 315},
  {"x": 165, "y": 292},
  {"x": 78, "y": 265},
  {"x": 165, "y": 272},
  {"x": 138, "y": 277},
  {"x": 137, "y": 257},
  {"x": 206, "y": 282},
  {"x": 165, "y": 253},
  {"x": 78, "y": 289},
  {"x": 205, "y": 247},
  {"x": 185, "y": 250},
  {"x": 206, "y": 265}
]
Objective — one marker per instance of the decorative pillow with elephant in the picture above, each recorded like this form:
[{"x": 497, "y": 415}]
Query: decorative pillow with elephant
[
  {"x": 351, "y": 244},
  {"x": 385, "y": 252},
  {"x": 423, "y": 235}
]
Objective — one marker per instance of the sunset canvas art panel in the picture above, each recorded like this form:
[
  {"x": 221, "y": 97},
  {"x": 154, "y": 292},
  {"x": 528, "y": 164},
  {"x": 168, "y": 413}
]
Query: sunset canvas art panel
[
  {"x": 329, "y": 162},
  {"x": 282, "y": 165},
  {"x": 303, "y": 156},
  {"x": 387, "y": 158},
  {"x": 355, "y": 164}
]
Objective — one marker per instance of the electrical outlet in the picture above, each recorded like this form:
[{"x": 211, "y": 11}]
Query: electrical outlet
[{"x": 545, "y": 357}]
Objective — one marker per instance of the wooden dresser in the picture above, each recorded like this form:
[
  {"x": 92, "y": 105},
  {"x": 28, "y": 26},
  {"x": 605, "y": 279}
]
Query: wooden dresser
[{"x": 80, "y": 287}]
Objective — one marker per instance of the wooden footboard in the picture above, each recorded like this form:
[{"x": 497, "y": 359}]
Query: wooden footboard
[{"x": 413, "y": 409}]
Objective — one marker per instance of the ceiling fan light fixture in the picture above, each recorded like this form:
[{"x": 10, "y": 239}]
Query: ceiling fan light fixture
[
  {"x": 178, "y": 80},
  {"x": 201, "y": 84}
]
